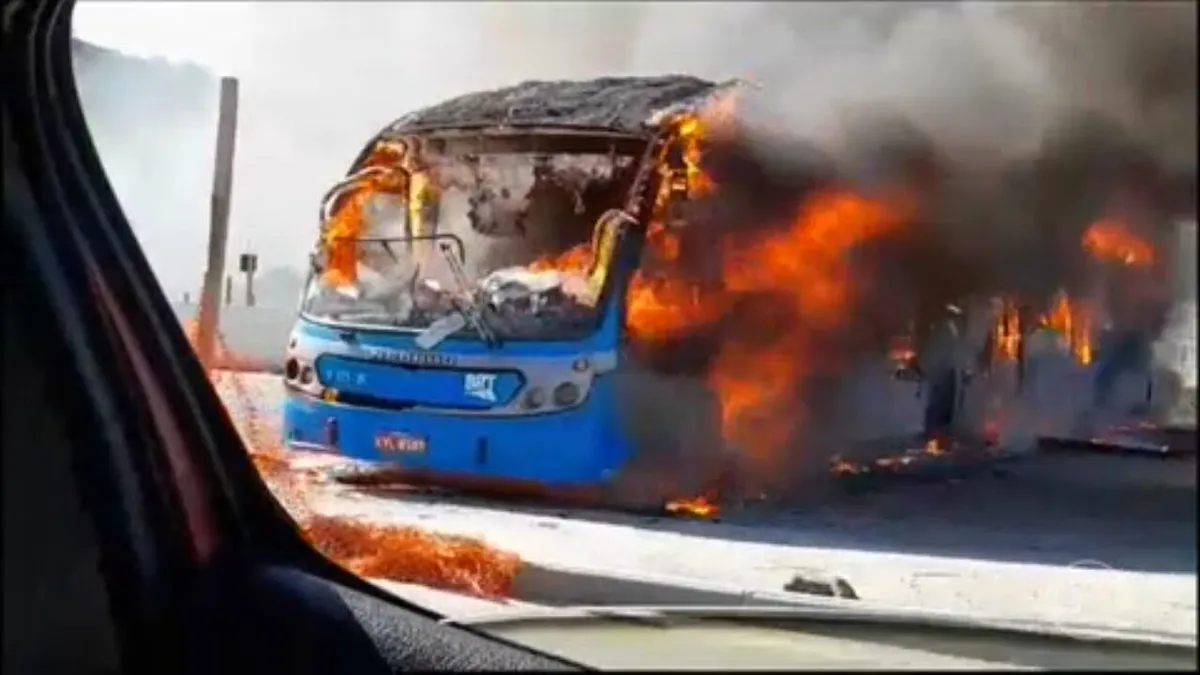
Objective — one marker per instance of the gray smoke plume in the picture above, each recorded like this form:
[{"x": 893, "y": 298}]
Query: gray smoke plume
[
  {"x": 1033, "y": 118},
  {"x": 135, "y": 110},
  {"x": 982, "y": 83},
  {"x": 1020, "y": 123},
  {"x": 1017, "y": 124}
]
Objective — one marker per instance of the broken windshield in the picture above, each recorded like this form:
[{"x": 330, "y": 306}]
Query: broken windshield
[{"x": 506, "y": 215}]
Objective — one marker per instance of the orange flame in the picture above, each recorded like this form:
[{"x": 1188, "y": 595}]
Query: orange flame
[
  {"x": 1007, "y": 331},
  {"x": 339, "y": 235},
  {"x": 804, "y": 263},
  {"x": 660, "y": 308},
  {"x": 576, "y": 260},
  {"x": 692, "y": 130},
  {"x": 703, "y": 506},
  {"x": 933, "y": 448},
  {"x": 1111, "y": 240},
  {"x": 1074, "y": 323},
  {"x": 807, "y": 263}
]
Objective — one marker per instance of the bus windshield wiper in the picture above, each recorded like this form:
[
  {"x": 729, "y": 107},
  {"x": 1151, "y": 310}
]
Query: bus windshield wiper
[{"x": 470, "y": 309}]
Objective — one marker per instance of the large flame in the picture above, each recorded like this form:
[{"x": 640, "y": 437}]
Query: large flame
[
  {"x": 1111, "y": 240},
  {"x": 805, "y": 267},
  {"x": 339, "y": 235},
  {"x": 801, "y": 264}
]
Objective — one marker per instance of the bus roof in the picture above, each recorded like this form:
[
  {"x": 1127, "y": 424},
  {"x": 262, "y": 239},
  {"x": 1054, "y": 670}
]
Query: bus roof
[{"x": 623, "y": 105}]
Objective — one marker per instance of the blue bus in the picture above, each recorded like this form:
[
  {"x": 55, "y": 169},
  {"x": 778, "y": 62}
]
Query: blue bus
[{"x": 434, "y": 343}]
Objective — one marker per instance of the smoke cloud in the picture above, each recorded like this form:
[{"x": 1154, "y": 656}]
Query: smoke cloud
[
  {"x": 981, "y": 83},
  {"x": 1026, "y": 121}
]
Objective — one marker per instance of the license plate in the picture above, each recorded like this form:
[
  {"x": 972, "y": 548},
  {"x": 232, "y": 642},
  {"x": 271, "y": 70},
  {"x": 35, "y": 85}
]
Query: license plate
[{"x": 399, "y": 443}]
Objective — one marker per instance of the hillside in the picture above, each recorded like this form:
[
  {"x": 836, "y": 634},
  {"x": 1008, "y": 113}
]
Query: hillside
[{"x": 154, "y": 125}]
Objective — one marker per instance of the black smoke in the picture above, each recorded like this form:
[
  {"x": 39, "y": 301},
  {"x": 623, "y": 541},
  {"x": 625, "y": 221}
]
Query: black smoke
[
  {"x": 1005, "y": 194},
  {"x": 1007, "y": 169}
]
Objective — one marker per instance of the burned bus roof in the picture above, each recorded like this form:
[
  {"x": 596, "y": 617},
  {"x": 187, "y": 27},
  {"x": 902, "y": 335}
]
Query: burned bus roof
[{"x": 623, "y": 105}]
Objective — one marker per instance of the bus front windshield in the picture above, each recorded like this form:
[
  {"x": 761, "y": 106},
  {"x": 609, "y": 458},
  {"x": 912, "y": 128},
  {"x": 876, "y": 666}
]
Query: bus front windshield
[{"x": 506, "y": 235}]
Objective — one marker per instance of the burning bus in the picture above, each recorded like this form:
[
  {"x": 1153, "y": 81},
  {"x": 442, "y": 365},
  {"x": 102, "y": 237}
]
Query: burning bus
[
  {"x": 486, "y": 308},
  {"x": 435, "y": 335}
]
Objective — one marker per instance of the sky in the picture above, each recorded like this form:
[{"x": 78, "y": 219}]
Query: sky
[{"x": 211, "y": 34}]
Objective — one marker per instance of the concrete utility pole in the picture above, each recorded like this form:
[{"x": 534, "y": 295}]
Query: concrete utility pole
[{"x": 218, "y": 232}]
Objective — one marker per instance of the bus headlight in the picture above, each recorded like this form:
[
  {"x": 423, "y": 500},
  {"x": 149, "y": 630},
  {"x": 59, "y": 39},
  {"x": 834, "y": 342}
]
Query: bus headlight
[
  {"x": 291, "y": 369},
  {"x": 534, "y": 399},
  {"x": 566, "y": 394},
  {"x": 298, "y": 374}
]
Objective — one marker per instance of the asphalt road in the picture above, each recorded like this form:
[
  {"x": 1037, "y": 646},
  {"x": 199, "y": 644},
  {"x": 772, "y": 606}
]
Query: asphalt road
[{"x": 1061, "y": 535}]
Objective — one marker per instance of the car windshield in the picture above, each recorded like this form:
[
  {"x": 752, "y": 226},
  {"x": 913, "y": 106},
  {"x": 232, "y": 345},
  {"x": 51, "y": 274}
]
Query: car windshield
[
  {"x": 910, "y": 320},
  {"x": 502, "y": 223}
]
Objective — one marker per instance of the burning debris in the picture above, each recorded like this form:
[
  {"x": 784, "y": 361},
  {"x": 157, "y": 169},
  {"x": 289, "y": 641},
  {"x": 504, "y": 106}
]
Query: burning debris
[
  {"x": 704, "y": 506},
  {"x": 408, "y": 555}
]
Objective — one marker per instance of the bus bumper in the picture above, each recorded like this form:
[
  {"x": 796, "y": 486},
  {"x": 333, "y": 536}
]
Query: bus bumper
[{"x": 577, "y": 448}]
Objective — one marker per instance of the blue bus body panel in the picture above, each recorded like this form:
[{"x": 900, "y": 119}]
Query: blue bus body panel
[
  {"x": 438, "y": 387},
  {"x": 460, "y": 434},
  {"x": 575, "y": 448}
]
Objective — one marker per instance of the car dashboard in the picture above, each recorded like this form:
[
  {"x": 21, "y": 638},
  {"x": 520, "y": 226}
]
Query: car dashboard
[{"x": 685, "y": 644}]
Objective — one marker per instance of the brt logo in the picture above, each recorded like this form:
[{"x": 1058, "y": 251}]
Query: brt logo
[{"x": 481, "y": 386}]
